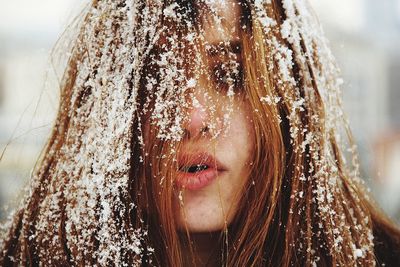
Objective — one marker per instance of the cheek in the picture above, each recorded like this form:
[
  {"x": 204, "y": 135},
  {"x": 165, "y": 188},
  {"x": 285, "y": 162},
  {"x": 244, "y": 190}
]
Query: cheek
[
  {"x": 242, "y": 135},
  {"x": 238, "y": 147},
  {"x": 241, "y": 144}
]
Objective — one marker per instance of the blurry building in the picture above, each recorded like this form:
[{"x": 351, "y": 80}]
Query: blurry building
[
  {"x": 366, "y": 44},
  {"x": 28, "y": 30}
]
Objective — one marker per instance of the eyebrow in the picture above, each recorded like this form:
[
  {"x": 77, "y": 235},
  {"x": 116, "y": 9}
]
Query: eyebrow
[{"x": 215, "y": 49}]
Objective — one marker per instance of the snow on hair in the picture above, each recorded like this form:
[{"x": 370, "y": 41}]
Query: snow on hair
[{"x": 83, "y": 184}]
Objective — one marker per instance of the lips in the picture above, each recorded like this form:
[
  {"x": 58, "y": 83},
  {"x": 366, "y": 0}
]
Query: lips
[{"x": 197, "y": 171}]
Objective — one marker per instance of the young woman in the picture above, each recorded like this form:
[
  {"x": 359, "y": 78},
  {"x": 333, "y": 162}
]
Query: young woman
[{"x": 199, "y": 133}]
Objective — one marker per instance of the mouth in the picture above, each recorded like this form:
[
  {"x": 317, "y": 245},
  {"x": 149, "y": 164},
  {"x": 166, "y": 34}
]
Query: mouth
[
  {"x": 197, "y": 171},
  {"x": 194, "y": 168}
]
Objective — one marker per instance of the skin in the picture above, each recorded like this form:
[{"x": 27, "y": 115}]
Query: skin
[{"x": 213, "y": 207}]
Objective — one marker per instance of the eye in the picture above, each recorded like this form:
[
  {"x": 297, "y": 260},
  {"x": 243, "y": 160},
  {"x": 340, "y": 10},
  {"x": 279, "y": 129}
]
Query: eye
[{"x": 225, "y": 75}]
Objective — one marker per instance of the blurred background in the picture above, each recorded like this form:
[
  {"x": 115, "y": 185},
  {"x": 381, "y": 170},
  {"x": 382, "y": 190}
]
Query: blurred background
[{"x": 364, "y": 36}]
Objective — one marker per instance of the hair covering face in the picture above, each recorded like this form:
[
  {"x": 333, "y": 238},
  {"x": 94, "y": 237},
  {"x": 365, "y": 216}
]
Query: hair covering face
[{"x": 87, "y": 181}]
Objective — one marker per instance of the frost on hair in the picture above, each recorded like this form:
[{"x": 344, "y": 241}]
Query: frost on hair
[{"x": 137, "y": 63}]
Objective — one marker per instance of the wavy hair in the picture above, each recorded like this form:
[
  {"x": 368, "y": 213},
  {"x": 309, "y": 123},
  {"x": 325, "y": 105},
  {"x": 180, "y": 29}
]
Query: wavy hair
[{"x": 102, "y": 195}]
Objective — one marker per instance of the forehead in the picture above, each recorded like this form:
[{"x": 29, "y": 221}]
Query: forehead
[{"x": 221, "y": 21}]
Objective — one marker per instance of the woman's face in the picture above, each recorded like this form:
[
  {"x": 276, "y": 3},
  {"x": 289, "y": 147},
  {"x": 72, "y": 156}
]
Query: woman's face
[{"x": 213, "y": 170}]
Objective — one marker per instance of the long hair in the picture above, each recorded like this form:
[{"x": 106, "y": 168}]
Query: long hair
[{"x": 102, "y": 193}]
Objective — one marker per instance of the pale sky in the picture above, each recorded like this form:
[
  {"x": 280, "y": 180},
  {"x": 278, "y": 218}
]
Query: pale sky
[
  {"x": 349, "y": 15},
  {"x": 37, "y": 17}
]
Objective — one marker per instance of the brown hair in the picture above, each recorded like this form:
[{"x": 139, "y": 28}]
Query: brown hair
[{"x": 301, "y": 206}]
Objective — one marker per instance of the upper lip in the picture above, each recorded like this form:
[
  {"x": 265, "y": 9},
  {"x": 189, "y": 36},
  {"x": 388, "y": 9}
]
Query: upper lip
[{"x": 188, "y": 160}]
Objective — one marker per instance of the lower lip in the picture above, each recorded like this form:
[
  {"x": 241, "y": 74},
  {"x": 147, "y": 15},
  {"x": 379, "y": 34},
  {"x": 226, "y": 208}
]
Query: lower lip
[{"x": 198, "y": 180}]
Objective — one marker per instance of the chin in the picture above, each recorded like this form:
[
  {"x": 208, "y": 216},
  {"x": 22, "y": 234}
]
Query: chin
[
  {"x": 202, "y": 218},
  {"x": 201, "y": 225}
]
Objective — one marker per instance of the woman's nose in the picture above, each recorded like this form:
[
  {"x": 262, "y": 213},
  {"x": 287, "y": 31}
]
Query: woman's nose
[{"x": 197, "y": 120}]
